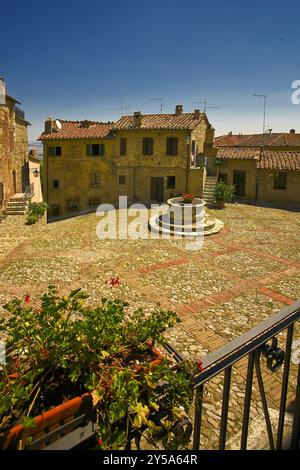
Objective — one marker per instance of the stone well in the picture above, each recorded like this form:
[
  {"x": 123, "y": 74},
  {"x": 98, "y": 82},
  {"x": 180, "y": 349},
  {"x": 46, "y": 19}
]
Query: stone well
[{"x": 185, "y": 219}]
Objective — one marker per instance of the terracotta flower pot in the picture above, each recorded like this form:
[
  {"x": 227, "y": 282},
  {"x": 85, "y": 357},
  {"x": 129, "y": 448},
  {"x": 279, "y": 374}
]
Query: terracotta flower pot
[{"x": 220, "y": 203}]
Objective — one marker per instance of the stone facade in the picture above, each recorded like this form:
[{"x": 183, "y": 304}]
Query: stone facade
[
  {"x": 77, "y": 182},
  {"x": 13, "y": 150}
]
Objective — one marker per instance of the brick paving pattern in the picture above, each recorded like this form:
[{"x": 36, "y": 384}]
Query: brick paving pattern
[{"x": 243, "y": 275}]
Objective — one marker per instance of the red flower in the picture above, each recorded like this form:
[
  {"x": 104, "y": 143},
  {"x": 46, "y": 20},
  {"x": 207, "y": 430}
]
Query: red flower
[
  {"x": 114, "y": 281},
  {"x": 200, "y": 366},
  {"x": 44, "y": 352},
  {"x": 100, "y": 442},
  {"x": 27, "y": 299}
]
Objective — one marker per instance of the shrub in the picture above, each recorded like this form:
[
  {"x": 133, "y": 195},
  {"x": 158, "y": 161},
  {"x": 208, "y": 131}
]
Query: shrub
[
  {"x": 36, "y": 211},
  {"x": 66, "y": 348},
  {"x": 224, "y": 192}
]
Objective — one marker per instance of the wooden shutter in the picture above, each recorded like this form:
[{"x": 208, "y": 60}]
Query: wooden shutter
[
  {"x": 101, "y": 150},
  {"x": 174, "y": 146},
  {"x": 89, "y": 149},
  {"x": 51, "y": 151}
]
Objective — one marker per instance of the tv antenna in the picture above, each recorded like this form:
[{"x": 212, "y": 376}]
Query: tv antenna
[
  {"x": 161, "y": 103},
  {"x": 123, "y": 107},
  {"x": 204, "y": 103},
  {"x": 264, "y": 113}
]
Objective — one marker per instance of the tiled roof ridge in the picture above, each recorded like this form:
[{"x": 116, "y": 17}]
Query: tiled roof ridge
[{"x": 83, "y": 120}]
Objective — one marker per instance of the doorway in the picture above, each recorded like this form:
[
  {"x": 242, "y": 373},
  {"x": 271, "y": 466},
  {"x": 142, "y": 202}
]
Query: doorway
[
  {"x": 14, "y": 178},
  {"x": 239, "y": 180},
  {"x": 157, "y": 189}
]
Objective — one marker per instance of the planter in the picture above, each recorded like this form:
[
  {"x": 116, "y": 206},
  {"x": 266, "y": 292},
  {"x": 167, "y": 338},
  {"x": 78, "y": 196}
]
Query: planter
[
  {"x": 19, "y": 437},
  {"x": 220, "y": 204}
]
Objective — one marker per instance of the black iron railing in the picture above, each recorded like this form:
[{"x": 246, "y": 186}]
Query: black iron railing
[{"x": 260, "y": 341}]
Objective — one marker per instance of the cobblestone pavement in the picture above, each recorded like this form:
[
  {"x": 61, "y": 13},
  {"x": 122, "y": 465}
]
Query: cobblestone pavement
[{"x": 243, "y": 275}]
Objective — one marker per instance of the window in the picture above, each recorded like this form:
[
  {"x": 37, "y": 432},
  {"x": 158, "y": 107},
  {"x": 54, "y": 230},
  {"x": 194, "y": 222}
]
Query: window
[
  {"x": 171, "y": 182},
  {"x": 147, "y": 146},
  {"x": 95, "y": 180},
  {"x": 54, "y": 209},
  {"x": 54, "y": 151},
  {"x": 122, "y": 179},
  {"x": 94, "y": 202},
  {"x": 172, "y": 145},
  {"x": 95, "y": 150},
  {"x": 72, "y": 204},
  {"x": 55, "y": 184},
  {"x": 280, "y": 179},
  {"x": 123, "y": 146},
  {"x": 1, "y": 192}
]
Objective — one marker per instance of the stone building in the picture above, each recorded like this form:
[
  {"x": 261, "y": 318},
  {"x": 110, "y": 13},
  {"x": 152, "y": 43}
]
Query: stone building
[
  {"x": 148, "y": 158},
  {"x": 262, "y": 167},
  {"x": 14, "y": 170}
]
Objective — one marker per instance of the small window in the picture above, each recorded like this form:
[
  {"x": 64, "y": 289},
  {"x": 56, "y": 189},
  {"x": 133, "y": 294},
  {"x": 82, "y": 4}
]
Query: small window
[
  {"x": 95, "y": 150},
  {"x": 122, "y": 179},
  {"x": 172, "y": 146},
  {"x": 280, "y": 180},
  {"x": 72, "y": 204},
  {"x": 1, "y": 193},
  {"x": 123, "y": 146},
  {"x": 54, "y": 151},
  {"x": 171, "y": 182},
  {"x": 54, "y": 209},
  {"x": 94, "y": 202},
  {"x": 95, "y": 180},
  {"x": 147, "y": 146},
  {"x": 55, "y": 184}
]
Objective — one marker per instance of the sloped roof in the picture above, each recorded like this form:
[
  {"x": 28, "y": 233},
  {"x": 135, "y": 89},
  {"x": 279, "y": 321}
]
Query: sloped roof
[
  {"x": 279, "y": 160},
  {"x": 160, "y": 121},
  {"x": 78, "y": 130},
  {"x": 257, "y": 140},
  {"x": 240, "y": 153}
]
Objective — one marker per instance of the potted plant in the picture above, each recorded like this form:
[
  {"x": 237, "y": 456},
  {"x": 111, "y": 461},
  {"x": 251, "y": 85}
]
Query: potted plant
[
  {"x": 67, "y": 358},
  {"x": 187, "y": 198},
  {"x": 223, "y": 193}
]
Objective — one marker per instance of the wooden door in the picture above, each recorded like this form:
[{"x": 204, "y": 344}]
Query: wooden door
[
  {"x": 157, "y": 189},
  {"x": 239, "y": 180}
]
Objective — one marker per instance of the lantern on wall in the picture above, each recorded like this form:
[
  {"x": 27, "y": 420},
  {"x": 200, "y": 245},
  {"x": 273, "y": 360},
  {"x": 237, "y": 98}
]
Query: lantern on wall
[{"x": 36, "y": 172}]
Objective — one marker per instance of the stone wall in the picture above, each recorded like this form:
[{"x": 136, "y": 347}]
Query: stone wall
[
  {"x": 73, "y": 168},
  {"x": 13, "y": 151},
  {"x": 266, "y": 191}
]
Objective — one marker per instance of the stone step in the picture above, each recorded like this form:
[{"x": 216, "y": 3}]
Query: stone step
[
  {"x": 17, "y": 204},
  {"x": 14, "y": 212}
]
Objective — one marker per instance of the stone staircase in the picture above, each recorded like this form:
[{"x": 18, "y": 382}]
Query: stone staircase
[
  {"x": 209, "y": 189},
  {"x": 17, "y": 205}
]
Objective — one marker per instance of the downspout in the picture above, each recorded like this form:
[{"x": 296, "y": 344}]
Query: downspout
[{"x": 188, "y": 142}]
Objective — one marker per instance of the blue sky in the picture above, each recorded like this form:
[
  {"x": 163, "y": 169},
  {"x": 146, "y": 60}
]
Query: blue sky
[{"x": 79, "y": 59}]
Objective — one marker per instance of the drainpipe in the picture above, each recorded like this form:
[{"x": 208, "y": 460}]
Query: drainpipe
[
  {"x": 257, "y": 178},
  {"x": 188, "y": 161}
]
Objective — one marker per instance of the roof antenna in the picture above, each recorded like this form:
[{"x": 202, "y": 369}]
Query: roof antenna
[
  {"x": 161, "y": 103},
  {"x": 204, "y": 102}
]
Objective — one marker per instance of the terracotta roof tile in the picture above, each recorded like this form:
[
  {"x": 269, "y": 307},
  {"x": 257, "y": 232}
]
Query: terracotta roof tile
[
  {"x": 280, "y": 160},
  {"x": 160, "y": 121},
  {"x": 77, "y": 130},
  {"x": 244, "y": 153},
  {"x": 256, "y": 140}
]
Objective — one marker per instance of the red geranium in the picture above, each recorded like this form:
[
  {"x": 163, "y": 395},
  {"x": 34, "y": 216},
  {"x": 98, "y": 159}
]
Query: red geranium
[
  {"x": 114, "y": 281},
  {"x": 27, "y": 299}
]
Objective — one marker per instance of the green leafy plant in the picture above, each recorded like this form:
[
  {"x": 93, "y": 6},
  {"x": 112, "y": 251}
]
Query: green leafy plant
[
  {"x": 224, "y": 192},
  {"x": 67, "y": 347},
  {"x": 36, "y": 211}
]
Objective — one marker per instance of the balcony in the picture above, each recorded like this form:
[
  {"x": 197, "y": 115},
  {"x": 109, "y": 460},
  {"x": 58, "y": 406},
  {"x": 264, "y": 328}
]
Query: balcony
[{"x": 262, "y": 356}]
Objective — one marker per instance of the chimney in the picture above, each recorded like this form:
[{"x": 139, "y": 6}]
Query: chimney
[
  {"x": 230, "y": 133},
  {"x": 178, "y": 109},
  {"x": 197, "y": 114},
  {"x": 2, "y": 91},
  {"x": 292, "y": 131},
  {"x": 48, "y": 126},
  {"x": 86, "y": 123},
  {"x": 137, "y": 118}
]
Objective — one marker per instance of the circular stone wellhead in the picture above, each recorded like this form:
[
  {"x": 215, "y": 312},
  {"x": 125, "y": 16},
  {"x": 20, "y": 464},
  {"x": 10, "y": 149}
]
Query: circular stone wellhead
[{"x": 185, "y": 219}]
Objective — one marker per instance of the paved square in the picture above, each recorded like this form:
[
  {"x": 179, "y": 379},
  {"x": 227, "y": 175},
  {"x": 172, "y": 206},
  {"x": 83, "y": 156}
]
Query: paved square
[{"x": 244, "y": 274}]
